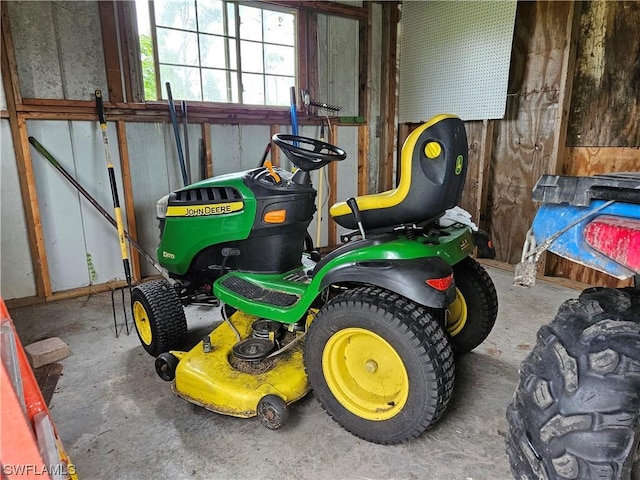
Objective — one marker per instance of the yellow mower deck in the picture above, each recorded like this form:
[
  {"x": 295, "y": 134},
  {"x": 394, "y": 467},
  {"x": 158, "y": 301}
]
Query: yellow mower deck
[{"x": 209, "y": 379}]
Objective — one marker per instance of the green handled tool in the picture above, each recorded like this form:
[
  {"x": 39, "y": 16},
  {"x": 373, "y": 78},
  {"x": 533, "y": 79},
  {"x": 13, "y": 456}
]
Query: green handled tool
[{"x": 47, "y": 155}]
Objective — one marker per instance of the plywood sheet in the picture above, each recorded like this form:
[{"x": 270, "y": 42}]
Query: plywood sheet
[
  {"x": 16, "y": 269},
  {"x": 237, "y": 147},
  {"x": 470, "y": 191},
  {"x": 58, "y": 49},
  {"x": 523, "y": 141},
  {"x": 36, "y": 48},
  {"x": 60, "y": 209},
  {"x": 606, "y": 86},
  {"x": 151, "y": 178},
  {"x": 348, "y": 168},
  {"x": 338, "y": 63},
  {"x": 82, "y": 247},
  {"x": 101, "y": 239},
  {"x": 79, "y": 39}
]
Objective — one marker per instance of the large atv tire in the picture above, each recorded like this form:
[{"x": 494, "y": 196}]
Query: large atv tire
[
  {"x": 576, "y": 411},
  {"x": 380, "y": 365},
  {"x": 158, "y": 316},
  {"x": 473, "y": 313}
]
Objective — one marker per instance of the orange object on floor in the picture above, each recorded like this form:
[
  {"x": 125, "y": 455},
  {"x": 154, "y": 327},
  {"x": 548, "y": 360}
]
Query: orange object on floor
[{"x": 29, "y": 444}]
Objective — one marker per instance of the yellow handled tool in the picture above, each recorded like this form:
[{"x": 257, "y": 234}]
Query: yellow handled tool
[{"x": 114, "y": 189}]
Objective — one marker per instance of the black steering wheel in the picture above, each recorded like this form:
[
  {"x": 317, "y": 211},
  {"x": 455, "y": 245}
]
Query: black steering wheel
[{"x": 317, "y": 156}]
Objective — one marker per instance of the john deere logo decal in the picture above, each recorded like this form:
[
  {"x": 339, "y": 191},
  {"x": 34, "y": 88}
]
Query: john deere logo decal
[
  {"x": 459, "y": 164},
  {"x": 204, "y": 210}
]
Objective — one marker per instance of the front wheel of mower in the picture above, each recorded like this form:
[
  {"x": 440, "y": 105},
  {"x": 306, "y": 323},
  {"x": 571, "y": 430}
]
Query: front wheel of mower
[
  {"x": 159, "y": 317},
  {"x": 166, "y": 365},
  {"x": 272, "y": 412},
  {"x": 380, "y": 365},
  {"x": 473, "y": 313}
]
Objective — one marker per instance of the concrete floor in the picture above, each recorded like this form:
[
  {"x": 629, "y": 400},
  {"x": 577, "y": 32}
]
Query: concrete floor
[{"x": 117, "y": 419}]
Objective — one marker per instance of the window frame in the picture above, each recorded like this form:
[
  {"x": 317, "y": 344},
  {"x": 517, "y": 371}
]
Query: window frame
[{"x": 300, "y": 45}]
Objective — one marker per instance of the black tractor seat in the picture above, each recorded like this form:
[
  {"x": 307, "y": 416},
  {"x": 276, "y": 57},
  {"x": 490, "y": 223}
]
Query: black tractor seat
[{"x": 432, "y": 173}]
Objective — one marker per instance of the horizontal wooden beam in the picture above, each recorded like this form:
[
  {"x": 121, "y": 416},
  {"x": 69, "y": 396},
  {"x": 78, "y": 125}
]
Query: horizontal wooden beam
[
  {"x": 137, "y": 115},
  {"x": 329, "y": 8}
]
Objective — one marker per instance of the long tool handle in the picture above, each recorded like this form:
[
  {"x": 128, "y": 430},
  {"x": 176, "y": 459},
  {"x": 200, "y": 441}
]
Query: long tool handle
[
  {"x": 320, "y": 194},
  {"x": 174, "y": 122},
  {"x": 45, "y": 153},
  {"x": 114, "y": 189},
  {"x": 185, "y": 129},
  {"x": 294, "y": 114}
]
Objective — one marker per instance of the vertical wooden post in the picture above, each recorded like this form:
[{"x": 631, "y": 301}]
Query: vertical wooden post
[
  {"x": 363, "y": 160},
  {"x": 558, "y": 155},
  {"x": 132, "y": 69},
  {"x": 26, "y": 178},
  {"x": 206, "y": 137},
  {"x": 332, "y": 231},
  {"x": 388, "y": 95},
  {"x": 484, "y": 167},
  {"x": 364, "y": 62},
  {"x": 275, "y": 151},
  {"x": 129, "y": 205},
  {"x": 111, "y": 56},
  {"x": 566, "y": 87}
]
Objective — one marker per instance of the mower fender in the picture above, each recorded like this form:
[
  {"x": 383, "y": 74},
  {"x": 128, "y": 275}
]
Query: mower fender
[{"x": 405, "y": 277}]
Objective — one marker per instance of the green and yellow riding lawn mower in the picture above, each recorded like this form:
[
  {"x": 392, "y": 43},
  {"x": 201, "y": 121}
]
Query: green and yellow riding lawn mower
[{"x": 372, "y": 327}]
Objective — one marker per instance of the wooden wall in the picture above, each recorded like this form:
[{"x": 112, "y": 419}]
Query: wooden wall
[
  {"x": 573, "y": 108},
  {"x": 604, "y": 124},
  {"x": 523, "y": 142}
]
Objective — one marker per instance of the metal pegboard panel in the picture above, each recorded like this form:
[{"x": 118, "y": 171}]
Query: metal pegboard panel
[{"x": 454, "y": 58}]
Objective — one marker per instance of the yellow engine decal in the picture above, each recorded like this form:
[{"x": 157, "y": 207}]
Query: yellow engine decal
[
  {"x": 203, "y": 210},
  {"x": 466, "y": 246}
]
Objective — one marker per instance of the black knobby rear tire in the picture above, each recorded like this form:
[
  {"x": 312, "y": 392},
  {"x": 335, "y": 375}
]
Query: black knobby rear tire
[
  {"x": 158, "y": 316},
  {"x": 380, "y": 365},
  {"x": 576, "y": 411},
  {"x": 473, "y": 314}
]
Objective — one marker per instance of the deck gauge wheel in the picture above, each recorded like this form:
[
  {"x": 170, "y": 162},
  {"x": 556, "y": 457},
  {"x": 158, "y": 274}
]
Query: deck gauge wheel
[{"x": 272, "y": 412}]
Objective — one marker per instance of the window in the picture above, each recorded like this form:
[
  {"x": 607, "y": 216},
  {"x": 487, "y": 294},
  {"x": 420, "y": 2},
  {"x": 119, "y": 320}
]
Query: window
[{"x": 218, "y": 51}]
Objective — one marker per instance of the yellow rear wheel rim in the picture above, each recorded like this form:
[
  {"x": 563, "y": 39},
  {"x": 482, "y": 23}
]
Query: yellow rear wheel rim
[
  {"x": 143, "y": 325},
  {"x": 457, "y": 317},
  {"x": 365, "y": 374}
]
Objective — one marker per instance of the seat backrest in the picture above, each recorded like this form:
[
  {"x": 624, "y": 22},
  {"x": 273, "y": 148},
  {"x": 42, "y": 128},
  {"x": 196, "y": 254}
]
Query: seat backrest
[
  {"x": 436, "y": 155},
  {"x": 433, "y": 168}
]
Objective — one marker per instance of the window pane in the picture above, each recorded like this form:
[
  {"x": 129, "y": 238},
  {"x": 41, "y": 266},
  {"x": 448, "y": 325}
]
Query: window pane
[
  {"x": 213, "y": 52},
  {"x": 210, "y": 19},
  {"x": 178, "y": 47},
  {"x": 185, "y": 82},
  {"x": 250, "y": 23},
  {"x": 252, "y": 89},
  {"x": 278, "y": 90},
  {"x": 279, "y": 27},
  {"x": 176, "y": 14},
  {"x": 251, "y": 57},
  {"x": 219, "y": 86},
  {"x": 231, "y": 19},
  {"x": 279, "y": 60}
]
